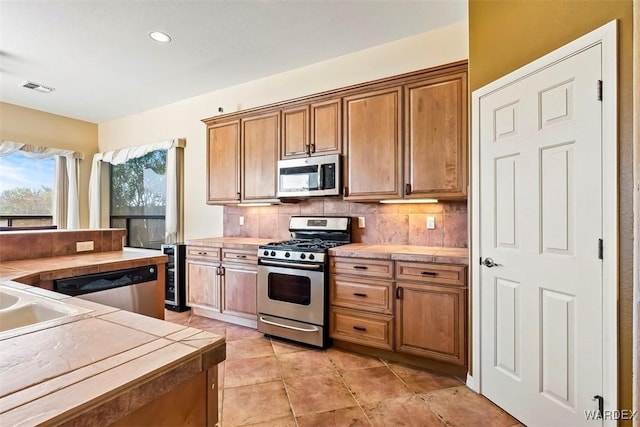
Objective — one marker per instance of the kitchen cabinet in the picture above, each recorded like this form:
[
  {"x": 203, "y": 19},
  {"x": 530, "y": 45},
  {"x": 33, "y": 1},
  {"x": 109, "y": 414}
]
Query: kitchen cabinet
[
  {"x": 203, "y": 279},
  {"x": 435, "y": 141},
  {"x": 223, "y": 162},
  {"x": 431, "y": 311},
  {"x": 239, "y": 283},
  {"x": 372, "y": 137},
  {"x": 361, "y": 309},
  {"x": 312, "y": 129},
  {"x": 259, "y": 152}
]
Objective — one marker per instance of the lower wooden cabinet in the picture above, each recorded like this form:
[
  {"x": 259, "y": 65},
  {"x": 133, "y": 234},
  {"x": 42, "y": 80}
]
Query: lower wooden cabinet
[
  {"x": 239, "y": 290},
  {"x": 204, "y": 286},
  {"x": 222, "y": 284},
  {"x": 431, "y": 322},
  {"x": 422, "y": 313},
  {"x": 373, "y": 330}
]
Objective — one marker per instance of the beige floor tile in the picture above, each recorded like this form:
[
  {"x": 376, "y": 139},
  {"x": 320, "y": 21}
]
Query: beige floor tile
[
  {"x": 407, "y": 411},
  {"x": 461, "y": 407},
  {"x": 305, "y": 363},
  {"x": 245, "y": 349},
  {"x": 317, "y": 393},
  {"x": 282, "y": 422},
  {"x": 422, "y": 381},
  {"x": 235, "y": 332},
  {"x": 251, "y": 371},
  {"x": 351, "y": 417},
  {"x": 374, "y": 384},
  {"x": 285, "y": 347},
  {"x": 345, "y": 361},
  {"x": 259, "y": 403}
]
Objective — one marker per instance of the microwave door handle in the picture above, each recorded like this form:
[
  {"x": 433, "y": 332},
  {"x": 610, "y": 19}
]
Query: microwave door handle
[{"x": 320, "y": 180}]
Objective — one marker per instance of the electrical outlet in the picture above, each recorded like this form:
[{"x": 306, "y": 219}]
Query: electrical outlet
[
  {"x": 361, "y": 222},
  {"x": 241, "y": 220},
  {"x": 84, "y": 246},
  {"x": 431, "y": 222}
]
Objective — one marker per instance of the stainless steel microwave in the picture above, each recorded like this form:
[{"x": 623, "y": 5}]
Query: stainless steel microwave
[{"x": 309, "y": 176}]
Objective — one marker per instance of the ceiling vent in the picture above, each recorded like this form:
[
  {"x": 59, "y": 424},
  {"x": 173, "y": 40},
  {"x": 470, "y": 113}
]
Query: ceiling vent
[{"x": 37, "y": 87}]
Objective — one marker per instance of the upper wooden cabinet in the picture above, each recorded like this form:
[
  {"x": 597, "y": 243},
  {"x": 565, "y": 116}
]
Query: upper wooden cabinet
[
  {"x": 436, "y": 138},
  {"x": 295, "y": 132},
  {"x": 403, "y": 137},
  {"x": 312, "y": 129},
  {"x": 372, "y": 138},
  {"x": 223, "y": 162},
  {"x": 260, "y": 142}
]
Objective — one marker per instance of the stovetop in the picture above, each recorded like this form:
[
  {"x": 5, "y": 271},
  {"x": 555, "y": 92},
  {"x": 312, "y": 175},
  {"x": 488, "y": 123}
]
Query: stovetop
[
  {"x": 304, "y": 244},
  {"x": 311, "y": 238}
]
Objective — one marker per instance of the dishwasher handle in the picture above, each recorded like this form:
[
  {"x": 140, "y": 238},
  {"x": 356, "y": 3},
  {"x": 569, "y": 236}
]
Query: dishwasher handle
[{"x": 81, "y": 285}]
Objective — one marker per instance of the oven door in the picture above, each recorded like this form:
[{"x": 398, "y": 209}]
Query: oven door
[{"x": 292, "y": 291}]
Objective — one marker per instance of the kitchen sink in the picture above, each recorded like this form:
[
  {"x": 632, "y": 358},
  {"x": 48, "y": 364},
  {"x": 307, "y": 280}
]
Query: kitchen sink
[{"x": 21, "y": 308}]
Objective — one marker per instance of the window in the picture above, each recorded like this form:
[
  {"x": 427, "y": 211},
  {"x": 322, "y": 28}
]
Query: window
[
  {"x": 138, "y": 199},
  {"x": 26, "y": 190}
]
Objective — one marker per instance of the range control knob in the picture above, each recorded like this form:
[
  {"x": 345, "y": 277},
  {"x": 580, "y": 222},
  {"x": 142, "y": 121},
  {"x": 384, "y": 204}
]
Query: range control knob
[
  {"x": 265, "y": 253},
  {"x": 311, "y": 256},
  {"x": 302, "y": 256},
  {"x": 287, "y": 254},
  {"x": 273, "y": 253}
]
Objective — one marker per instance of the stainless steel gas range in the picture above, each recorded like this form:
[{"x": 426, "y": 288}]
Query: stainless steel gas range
[{"x": 293, "y": 279}]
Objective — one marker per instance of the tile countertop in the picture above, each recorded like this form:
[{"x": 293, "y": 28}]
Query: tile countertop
[
  {"x": 79, "y": 264},
  {"x": 403, "y": 253},
  {"x": 230, "y": 242},
  {"x": 96, "y": 366}
]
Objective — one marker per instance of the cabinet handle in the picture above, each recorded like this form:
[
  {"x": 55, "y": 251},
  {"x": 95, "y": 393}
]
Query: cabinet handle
[
  {"x": 241, "y": 256},
  {"x": 407, "y": 189},
  {"x": 360, "y": 328},
  {"x": 202, "y": 253},
  {"x": 358, "y": 294},
  {"x": 313, "y": 148},
  {"x": 222, "y": 271},
  {"x": 429, "y": 273},
  {"x": 398, "y": 293},
  {"x": 345, "y": 191},
  {"x": 308, "y": 149},
  {"x": 360, "y": 267}
]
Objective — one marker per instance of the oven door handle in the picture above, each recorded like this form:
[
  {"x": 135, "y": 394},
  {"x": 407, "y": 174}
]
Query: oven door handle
[
  {"x": 295, "y": 328},
  {"x": 290, "y": 265}
]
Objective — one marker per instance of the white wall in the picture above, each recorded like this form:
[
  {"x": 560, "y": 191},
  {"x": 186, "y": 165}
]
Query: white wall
[{"x": 183, "y": 119}]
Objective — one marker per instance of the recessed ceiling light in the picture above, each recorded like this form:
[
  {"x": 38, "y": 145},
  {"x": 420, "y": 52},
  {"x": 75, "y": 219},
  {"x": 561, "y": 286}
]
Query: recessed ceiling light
[{"x": 160, "y": 36}]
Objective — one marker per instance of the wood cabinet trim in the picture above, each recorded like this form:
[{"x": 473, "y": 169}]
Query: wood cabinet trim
[
  {"x": 231, "y": 168},
  {"x": 262, "y": 181},
  {"x": 399, "y": 79}
]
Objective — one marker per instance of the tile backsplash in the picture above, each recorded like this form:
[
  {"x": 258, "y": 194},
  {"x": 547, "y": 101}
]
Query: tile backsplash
[{"x": 402, "y": 224}]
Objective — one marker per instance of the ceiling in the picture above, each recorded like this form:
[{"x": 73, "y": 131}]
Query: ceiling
[{"x": 103, "y": 65}]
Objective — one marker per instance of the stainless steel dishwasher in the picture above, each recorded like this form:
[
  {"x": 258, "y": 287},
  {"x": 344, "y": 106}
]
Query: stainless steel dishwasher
[{"x": 132, "y": 289}]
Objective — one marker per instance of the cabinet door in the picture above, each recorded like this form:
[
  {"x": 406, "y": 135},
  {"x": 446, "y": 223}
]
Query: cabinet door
[
  {"x": 203, "y": 285},
  {"x": 223, "y": 163},
  {"x": 373, "y": 150},
  {"x": 430, "y": 322},
  {"x": 295, "y": 132},
  {"x": 326, "y": 127},
  {"x": 239, "y": 286},
  {"x": 436, "y": 137},
  {"x": 260, "y": 142}
]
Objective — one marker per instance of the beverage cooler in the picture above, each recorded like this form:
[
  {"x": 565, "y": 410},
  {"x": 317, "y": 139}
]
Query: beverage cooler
[{"x": 175, "y": 295}]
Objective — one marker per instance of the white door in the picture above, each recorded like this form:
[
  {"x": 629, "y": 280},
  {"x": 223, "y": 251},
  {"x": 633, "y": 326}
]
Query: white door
[{"x": 541, "y": 221}]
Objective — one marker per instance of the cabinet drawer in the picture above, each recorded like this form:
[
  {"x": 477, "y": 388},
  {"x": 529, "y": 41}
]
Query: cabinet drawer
[
  {"x": 371, "y": 295},
  {"x": 378, "y": 268},
  {"x": 374, "y": 330},
  {"x": 240, "y": 255},
  {"x": 445, "y": 274},
  {"x": 203, "y": 253}
]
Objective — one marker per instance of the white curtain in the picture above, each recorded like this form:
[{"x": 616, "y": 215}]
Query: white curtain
[
  {"x": 173, "y": 212},
  {"x": 66, "y": 208}
]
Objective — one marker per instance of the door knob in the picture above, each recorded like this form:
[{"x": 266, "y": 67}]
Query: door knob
[{"x": 488, "y": 262}]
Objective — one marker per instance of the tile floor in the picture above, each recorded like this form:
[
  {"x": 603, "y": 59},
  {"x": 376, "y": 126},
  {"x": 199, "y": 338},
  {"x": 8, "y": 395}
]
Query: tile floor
[{"x": 271, "y": 382}]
